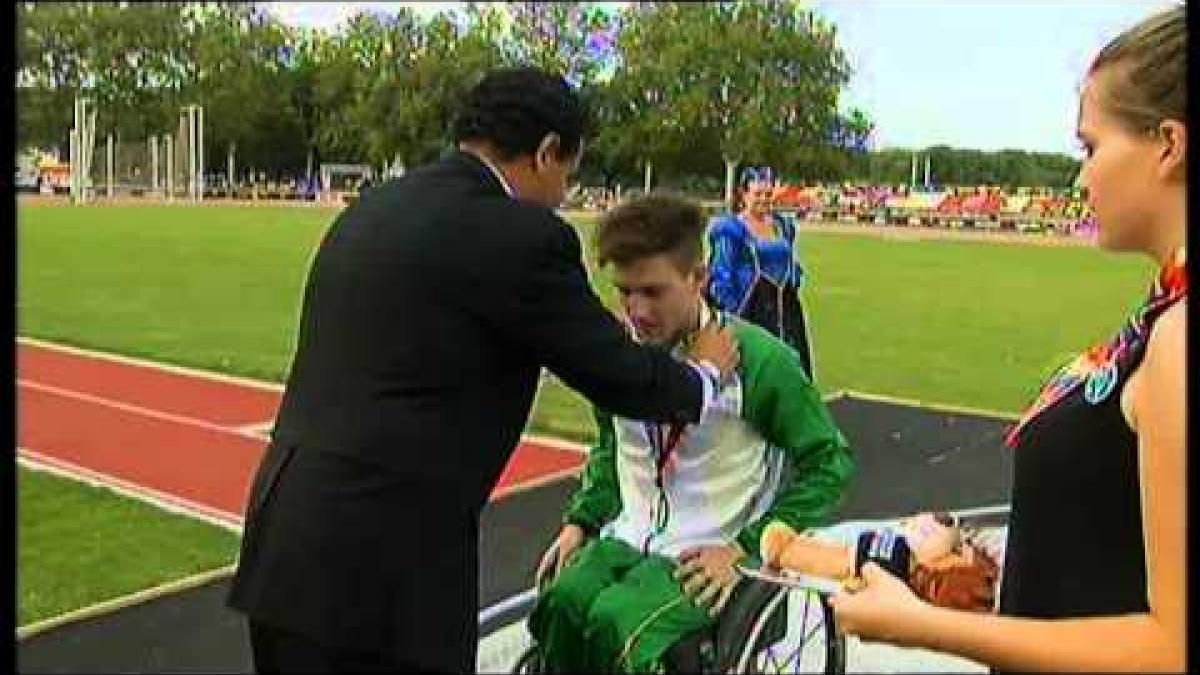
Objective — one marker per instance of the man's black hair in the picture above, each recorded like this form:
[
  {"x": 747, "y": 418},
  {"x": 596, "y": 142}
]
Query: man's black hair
[{"x": 514, "y": 109}]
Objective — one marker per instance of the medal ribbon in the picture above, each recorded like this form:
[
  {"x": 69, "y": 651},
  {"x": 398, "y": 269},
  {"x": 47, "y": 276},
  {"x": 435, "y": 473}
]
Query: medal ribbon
[
  {"x": 664, "y": 456},
  {"x": 664, "y": 446}
]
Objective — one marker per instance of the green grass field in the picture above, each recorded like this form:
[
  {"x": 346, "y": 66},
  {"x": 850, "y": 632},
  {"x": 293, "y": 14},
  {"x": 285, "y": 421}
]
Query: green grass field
[
  {"x": 78, "y": 545},
  {"x": 964, "y": 323}
]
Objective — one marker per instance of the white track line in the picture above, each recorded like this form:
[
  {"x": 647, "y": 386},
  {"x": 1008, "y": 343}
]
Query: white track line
[
  {"x": 135, "y": 409},
  {"x": 531, "y": 483},
  {"x": 168, "y": 502},
  {"x": 108, "y": 606},
  {"x": 557, "y": 443},
  {"x": 259, "y": 427},
  {"x": 982, "y": 511},
  {"x": 235, "y": 379},
  {"x": 183, "y": 506},
  {"x": 930, "y": 405},
  {"x": 154, "y": 365}
]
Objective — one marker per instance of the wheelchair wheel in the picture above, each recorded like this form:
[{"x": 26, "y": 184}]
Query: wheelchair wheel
[
  {"x": 808, "y": 642},
  {"x": 530, "y": 663}
]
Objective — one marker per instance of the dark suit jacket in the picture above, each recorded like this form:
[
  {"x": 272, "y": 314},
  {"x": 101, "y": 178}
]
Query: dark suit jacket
[{"x": 429, "y": 309}]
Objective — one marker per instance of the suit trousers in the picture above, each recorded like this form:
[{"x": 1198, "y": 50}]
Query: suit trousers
[{"x": 282, "y": 651}]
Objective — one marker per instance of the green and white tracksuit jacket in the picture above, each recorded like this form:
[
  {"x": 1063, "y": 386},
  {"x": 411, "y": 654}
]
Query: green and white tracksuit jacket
[{"x": 765, "y": 449}]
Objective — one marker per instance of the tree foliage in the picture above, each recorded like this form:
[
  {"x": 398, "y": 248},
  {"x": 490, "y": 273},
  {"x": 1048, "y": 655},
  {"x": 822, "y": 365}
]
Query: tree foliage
[{"x": 692, "y": 88}]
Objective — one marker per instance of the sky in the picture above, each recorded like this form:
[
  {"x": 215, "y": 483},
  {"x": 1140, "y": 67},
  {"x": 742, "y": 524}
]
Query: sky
[{"x": 981, "y": 74}]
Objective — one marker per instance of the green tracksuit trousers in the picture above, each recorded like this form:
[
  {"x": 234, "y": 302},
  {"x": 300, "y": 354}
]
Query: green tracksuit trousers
[{"x": 613, "y": 609}]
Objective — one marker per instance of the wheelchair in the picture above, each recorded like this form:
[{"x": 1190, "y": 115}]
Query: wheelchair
[{"x": 765, "y": 627}]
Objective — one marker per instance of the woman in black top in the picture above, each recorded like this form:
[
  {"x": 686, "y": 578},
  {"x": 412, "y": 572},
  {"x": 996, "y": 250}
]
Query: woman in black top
[{"x": 1095, "y": 571}]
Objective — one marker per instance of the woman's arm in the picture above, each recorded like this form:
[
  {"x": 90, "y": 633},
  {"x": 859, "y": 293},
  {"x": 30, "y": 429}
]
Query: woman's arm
[
  {"x": 1130, "y": 643},
  {"x": 787, "y": 230},
  {"x": 724, "y": 258},
  {"x": 887, "y": 610},
  {"x": 1160, "y": 410}
]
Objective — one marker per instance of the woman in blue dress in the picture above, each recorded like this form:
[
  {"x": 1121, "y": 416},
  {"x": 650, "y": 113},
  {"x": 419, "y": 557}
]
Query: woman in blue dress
[{"x": 753, "y": 267}]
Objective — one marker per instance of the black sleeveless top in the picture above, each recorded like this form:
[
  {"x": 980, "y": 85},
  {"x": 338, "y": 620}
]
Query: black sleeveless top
[{"x": 1075, "y": 545}]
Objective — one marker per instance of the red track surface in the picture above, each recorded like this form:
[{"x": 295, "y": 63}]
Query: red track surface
[{"x": 194, "y": 437}]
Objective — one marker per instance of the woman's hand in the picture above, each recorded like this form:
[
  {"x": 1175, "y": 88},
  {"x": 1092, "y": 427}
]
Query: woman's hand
[{"x": 883, "y": 609}]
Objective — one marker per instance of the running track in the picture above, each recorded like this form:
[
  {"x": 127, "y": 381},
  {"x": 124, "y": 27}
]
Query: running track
[{"x": 184, "y": 438}]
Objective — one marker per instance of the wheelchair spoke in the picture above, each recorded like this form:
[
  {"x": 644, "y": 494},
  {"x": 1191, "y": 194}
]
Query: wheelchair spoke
[
  {"x": 776, "y": 666},
  {"x": 803, "y": 624},
  {"x": 791, "y": 635},
  {"x": 789, "y": 654},
  {"x": 816, "y": 625}
]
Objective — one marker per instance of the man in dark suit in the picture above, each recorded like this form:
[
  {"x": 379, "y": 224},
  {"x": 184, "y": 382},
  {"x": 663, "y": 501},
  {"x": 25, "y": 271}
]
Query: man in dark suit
[{"x": 430, "y": 308}]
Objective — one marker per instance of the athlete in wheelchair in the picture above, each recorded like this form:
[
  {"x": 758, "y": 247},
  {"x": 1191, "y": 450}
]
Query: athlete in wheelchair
[{"x": 643, "y": 575}]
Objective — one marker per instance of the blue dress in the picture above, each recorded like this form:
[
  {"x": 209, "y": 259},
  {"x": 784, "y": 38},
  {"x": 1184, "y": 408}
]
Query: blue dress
[{"x": 760, "y": 280}]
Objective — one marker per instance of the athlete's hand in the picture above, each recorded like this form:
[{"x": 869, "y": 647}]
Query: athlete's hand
[
  {"x": 709, "y": 575},
  {"x": 569, "y": 539}
]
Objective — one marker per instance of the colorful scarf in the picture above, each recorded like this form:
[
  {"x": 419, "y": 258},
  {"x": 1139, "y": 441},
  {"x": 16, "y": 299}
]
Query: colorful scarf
[{"x": 1096, "y": 368}]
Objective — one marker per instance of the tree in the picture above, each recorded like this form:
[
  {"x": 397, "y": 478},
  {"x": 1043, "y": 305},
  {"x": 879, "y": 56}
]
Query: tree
[
  {"x": 118, "y": 55},
  {"x": 557, "y": 36},
  {"x": 303, "y": 57},
  {"x": 410, "y": 104},
  {"x": 140, "y": 62},
  {"x": 242, "y": 58},
  {"x": 385, "y": 108},
  {"x": 640, "y": 120},
  {"x": 611, "y": 152},
  {"x": 764, "y": 77},
  {"x": 965, "y": 167},
  {"x": 688, "y": 89}
]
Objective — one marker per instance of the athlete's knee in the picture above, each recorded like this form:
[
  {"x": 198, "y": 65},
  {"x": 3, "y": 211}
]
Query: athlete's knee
[{"x": 606, "y": 612}]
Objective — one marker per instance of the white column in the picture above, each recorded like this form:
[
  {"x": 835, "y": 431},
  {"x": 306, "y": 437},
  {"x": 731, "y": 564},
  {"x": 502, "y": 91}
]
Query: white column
[
  {"x": 109, "y": 171},
  {"x": 151, "y": 150},
  {"x": 191, "y": 127},
  {"x": 181, "y": 148},
  {"x": 74, "y": 158},
  {"x": 200, "y": 177},
  {"x": 74, "y": 161},
  {"x": 154, "y": 164},
  {"x": 89, "y": 147},
  {"x": 76, "y": 153},
  {"x": 170, "y": 149}
]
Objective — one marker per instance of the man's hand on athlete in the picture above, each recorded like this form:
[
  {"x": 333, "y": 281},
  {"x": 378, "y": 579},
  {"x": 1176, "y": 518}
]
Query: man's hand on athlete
[
  {"x": 709, "y": 574},
  {"x": 717, "y": 346}
]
